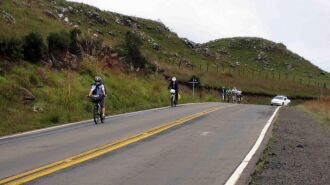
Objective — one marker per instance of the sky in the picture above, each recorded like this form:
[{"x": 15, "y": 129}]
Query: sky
[{"x": 302, "y": 25}]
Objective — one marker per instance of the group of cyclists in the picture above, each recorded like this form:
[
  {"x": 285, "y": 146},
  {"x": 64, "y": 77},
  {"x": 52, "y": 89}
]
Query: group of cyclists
[
  {"x": 98, "y": 89},
  {"x": 233, "y": 95}
]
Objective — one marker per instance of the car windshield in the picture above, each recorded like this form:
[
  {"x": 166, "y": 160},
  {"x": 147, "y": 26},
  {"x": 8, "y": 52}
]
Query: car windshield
[{"x": 279, "y": 97}]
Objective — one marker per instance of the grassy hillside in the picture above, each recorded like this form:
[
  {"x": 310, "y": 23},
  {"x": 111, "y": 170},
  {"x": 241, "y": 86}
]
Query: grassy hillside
[{"x": 255, "y": 65}]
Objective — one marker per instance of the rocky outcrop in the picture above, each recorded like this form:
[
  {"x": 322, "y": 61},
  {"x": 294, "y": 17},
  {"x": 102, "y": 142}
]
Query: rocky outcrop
[
  {"x": 156, "y": 46},
  {"x": 7, "y": 17},
  {"x": 97, "y": 17},
  {"x": 262, "y": 56},
  {"x": 189, "y": 43},
  {"x": 26, "y": 95}
]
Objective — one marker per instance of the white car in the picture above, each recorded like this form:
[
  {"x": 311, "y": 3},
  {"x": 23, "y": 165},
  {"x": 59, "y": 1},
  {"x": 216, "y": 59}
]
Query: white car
[{"x": 280, "y": 100}]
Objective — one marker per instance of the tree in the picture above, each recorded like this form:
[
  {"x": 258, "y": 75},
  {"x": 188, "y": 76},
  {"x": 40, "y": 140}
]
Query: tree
[
  {"x": 33, "y": 47},
  {"x": 133, "y": 55}
]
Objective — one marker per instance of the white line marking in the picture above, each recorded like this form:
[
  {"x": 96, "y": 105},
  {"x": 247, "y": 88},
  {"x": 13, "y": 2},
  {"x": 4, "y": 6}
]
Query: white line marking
[
  {"x": 238, "y": 172},
  {"x": 205, "y": 133},
  {"x": 85, "y": 121}
]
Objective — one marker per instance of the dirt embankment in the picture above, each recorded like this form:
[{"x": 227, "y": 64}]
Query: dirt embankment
[{"x": 299, "y": 152}]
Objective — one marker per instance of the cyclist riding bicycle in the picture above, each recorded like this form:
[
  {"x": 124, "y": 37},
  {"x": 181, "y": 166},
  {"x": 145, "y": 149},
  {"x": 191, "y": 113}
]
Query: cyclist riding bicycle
[
  {"x": 99, "y": 89},
  {"x": 174, "y": 85}
]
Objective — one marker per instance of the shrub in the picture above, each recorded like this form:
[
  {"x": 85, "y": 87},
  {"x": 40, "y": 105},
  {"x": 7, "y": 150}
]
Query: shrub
[
  {"x": 11, "y": 49},
  {"x": 133, "y": 55},
  {"x": 33, "y": 47},
  {"x": 74, "y": 45},
  {"x": 58, "y": 42}
]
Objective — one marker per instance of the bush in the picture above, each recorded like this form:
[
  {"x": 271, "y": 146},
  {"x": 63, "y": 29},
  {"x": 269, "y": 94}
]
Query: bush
[
  {"x": 133, "y": 55},
  {"x": 74, "y": 45},
  {"x": 33, "y": 47},
  {"x": 58, "y": 42},
  {"x": 11, "y": 49}
]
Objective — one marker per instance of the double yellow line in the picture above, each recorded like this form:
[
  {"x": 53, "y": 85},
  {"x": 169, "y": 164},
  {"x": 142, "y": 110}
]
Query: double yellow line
[{"x": 70, "y": 161}]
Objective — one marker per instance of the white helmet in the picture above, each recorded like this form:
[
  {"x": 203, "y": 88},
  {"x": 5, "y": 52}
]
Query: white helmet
[{"x": 173, "y": 79}]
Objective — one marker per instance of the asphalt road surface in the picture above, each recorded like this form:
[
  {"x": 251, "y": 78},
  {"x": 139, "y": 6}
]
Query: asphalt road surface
[{"x": 205, "y": 150}]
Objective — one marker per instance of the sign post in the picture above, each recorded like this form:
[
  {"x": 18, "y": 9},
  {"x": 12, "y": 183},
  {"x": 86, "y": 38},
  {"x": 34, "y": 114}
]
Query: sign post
[{"x": 193, "y": 82}]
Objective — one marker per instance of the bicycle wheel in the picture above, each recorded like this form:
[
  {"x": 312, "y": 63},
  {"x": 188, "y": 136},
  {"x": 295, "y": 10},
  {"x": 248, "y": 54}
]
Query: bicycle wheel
[
  {"x": 101, "y": 114},
  {"x": 96, "y": 114},
  {"x": 172, "y": 101}
]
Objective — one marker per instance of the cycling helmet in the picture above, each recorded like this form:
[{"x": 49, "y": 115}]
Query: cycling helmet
[
  {"x": 173, "y": 79},
  {"x": 98, "y": 79}
]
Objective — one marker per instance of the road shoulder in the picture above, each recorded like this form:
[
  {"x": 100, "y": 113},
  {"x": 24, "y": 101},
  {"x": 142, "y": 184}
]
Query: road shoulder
[{"x": 298, "y": 151}]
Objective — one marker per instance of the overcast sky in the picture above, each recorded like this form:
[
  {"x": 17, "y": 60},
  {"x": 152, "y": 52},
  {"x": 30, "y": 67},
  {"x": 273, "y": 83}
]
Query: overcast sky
[{"x": 302, "y": 25}]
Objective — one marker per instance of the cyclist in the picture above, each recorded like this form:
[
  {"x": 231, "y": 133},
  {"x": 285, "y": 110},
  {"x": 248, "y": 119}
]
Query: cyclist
[
  {"x": 174, "y": 85},
  {"x": 99, "y": 89},
  {"x": 234, "y": 94},
  {"x": 239, "y": 95},
  {"x": 223, "y": 93}
]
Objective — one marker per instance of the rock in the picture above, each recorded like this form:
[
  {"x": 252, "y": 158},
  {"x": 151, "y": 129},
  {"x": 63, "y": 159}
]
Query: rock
[
  {"x": 60, "y": 15},
  {"x": 61, "y": 9},
  {"x": 26, "y": 94},
  {"x": 66, "y": 19},
  {"x": 117, "y": 20},
  {"x": 114, "y": 55},
  {"x": 262, "y": 56},
  {"x": 71, "y": 61},
  {"x": 156, "y": 46},
  {"x": 97, "y": 17},
  {"x": 134, "y": 26},
  {"x": 8, "y": 17},
  {"x": 37, "y": 109},
  {"x": 189, "y": 43},
  {"x": 50, "y": 14},
  {"x": 289, "y": 67},
  {"x": 206, "y": 52}
]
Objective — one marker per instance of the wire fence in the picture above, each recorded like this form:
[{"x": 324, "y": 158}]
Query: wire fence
[{"x": 241, "y": 71}]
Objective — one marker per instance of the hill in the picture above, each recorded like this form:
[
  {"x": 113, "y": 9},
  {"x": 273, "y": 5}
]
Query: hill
[{"x": 134, "y": 56}]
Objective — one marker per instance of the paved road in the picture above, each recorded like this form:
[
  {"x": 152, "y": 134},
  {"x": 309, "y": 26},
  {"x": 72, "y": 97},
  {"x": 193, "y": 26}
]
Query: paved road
[{"x": 203, "y": 151}]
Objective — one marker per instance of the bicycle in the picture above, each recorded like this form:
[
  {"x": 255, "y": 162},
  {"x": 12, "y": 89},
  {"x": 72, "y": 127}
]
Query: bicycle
[
  {"x": 173, "y": 100},
  {"x": 97, "y": 110}
]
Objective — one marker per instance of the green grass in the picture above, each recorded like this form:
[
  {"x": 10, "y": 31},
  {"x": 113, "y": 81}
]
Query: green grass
[{"x": 62, "y": 95}]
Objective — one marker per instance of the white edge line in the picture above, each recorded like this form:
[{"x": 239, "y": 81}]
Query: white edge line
[
  {"x": 85, "y": 121},
  {"x": 238, "y": 172}
]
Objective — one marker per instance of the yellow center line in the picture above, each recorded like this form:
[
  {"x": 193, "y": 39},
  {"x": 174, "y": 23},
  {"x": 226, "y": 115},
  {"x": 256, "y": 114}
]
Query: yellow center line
[{"x": 96, "y": 152}]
